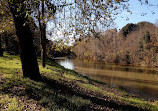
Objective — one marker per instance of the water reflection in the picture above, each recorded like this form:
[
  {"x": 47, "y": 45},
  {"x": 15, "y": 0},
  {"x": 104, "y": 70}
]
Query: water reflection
[
  {"x": 138, "y": 80},
  {"x": 67, "y": 64}
]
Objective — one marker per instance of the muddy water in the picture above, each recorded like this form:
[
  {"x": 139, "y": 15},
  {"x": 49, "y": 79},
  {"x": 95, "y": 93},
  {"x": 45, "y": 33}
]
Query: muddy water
[{"x": 140, "y": 81}]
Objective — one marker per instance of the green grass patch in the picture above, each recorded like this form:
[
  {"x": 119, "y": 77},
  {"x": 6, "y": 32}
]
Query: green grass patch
[
  {"x": 141, "y": 103},
  {"x": 9, "y": 103},
  {"x": 14, "y": 86}
]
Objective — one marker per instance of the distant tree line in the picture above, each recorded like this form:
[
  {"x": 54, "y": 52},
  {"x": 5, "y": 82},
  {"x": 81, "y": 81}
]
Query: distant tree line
[{"x": 134, "y": 44}]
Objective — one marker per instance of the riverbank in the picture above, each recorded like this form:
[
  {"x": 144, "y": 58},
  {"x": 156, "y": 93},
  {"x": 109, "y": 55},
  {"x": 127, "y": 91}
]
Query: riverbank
[
  {"x": 140, "y": 81},
  {"x": 60, "y": 89}
]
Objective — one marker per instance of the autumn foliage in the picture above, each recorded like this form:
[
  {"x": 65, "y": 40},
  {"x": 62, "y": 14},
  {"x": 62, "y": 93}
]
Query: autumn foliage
[{"x": 134, "y": 44}]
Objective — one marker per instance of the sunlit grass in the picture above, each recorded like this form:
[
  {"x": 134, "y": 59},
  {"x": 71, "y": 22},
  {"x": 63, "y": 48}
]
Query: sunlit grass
[
  {"x": 45, "y": 95},
  {"x": 141, "y": 103},
  {"x": 9, "y": 103},
  {"x": 50, "y": 99}
]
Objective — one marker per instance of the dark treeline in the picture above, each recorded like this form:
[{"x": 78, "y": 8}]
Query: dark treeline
[
  {"x": 134, "y": 44},
  {"x": 9, "y": 42}
]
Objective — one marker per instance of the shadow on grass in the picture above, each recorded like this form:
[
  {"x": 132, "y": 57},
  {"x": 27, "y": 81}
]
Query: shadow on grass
[
  {"x": 47, "y": 92},
  {"x": 54, "y": 95},
  {"x": 64, "y": 89}
]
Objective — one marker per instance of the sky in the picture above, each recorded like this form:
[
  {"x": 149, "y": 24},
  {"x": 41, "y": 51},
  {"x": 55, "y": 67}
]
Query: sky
[
  {"x": 121, "y": 19},
  {"x": 137, "y": 9}
]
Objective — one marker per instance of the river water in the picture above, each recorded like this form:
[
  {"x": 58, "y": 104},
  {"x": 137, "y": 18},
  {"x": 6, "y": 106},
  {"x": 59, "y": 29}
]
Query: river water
[{"x": 140, "y": 81}]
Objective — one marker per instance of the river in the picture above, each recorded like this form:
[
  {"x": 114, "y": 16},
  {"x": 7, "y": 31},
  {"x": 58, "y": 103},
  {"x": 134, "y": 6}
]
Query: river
[{"x": 140, "y": 81}]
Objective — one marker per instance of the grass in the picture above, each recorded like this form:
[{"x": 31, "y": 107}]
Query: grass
[
  {"x": 65, "y": 90},
  {"x": 9, "y": 103}
]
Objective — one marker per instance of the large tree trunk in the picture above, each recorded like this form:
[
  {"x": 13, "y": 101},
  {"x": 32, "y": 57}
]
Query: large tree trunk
[
  {"x": 1, "y": 51},
  {"x": 27, "y": 51}
]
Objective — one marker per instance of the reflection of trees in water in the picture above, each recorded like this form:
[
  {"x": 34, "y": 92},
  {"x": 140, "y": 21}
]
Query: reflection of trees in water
[{"x": 122, "y": 76}]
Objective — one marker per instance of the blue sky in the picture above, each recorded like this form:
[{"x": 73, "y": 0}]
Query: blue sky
[{"x": 137, "y": 9}]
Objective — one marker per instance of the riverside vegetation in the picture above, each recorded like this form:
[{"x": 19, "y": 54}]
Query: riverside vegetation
[
  {"x": 60, "y": 89},
  {"x": 134, "y": 44}
]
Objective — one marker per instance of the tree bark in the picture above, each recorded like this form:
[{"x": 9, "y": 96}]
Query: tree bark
[
  {"x": 43, "y": 38},
  {"x": 1, "y": 51},
  {"x": 43, "y": 54},
  {"x": 27, "y": 51},
  {"x": 43, "y": 46}
]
